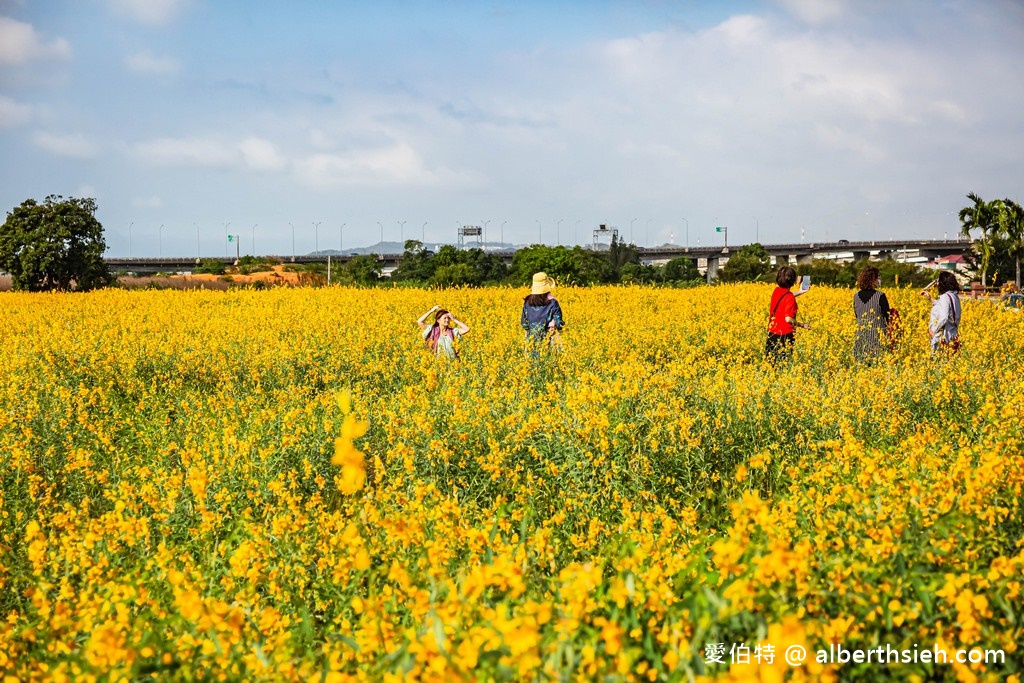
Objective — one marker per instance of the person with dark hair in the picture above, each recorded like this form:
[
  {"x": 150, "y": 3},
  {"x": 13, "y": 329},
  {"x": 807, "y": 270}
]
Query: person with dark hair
[
  {"x": 541, "y": 318},
  {"x": 782, "y": 321},
  {"x": 440, "y": 337},
  {"x": 871, "y": 311},
  {"x": 944, "y": 322}
]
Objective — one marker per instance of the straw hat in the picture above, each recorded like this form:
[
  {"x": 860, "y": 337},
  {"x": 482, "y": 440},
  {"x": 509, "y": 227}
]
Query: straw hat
[{"x": 542, "y": 284}]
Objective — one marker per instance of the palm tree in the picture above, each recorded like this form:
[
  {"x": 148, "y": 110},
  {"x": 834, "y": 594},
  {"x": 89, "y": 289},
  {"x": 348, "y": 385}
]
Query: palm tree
[
  {"x": 982, "y": 216},
  {"x": 1011, "y": 219}
]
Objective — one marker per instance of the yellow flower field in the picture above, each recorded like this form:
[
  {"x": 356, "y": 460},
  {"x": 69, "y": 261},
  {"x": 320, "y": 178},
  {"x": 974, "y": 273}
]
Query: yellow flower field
[{"x": 285, "y": 484}]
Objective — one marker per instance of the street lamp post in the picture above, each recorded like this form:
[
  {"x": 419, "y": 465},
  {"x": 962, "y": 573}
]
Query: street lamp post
[
  {"x": 293, "y": 240},
  {"x": 381, "y": 236},
  {"x": 558, "y": 225},
  {"x": 316, "y": 236},
  {"x": 687, "y": 233},
  {"x": 485, "y": 231},
  {"x": 226, "y": 252},
  {"x": 503, "y": 234},
  {"x": 341, "y": 237},
  {"x": 423, "y": 234},
  {"x": 401, "y": 233},
  {"x": 757, "y": 230}
]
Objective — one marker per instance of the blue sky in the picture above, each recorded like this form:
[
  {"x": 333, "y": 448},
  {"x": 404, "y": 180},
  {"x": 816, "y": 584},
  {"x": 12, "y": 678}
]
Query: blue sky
[{"x": 783, "y": 119}]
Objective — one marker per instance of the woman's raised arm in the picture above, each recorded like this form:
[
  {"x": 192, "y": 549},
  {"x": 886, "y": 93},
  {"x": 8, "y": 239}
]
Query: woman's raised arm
[{"x": 422, "y": 321}]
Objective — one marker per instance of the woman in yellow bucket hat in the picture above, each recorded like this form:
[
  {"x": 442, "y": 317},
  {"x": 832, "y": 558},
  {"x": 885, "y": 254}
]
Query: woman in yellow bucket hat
[{"x": 542, "y": 315}]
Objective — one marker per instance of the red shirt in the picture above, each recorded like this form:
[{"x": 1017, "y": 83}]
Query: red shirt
[{"x": 784, "y": 305}]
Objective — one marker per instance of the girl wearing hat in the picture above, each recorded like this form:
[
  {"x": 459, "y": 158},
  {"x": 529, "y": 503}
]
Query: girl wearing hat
[
  {"x": 440, "y": 337},
  {"x": 542, "y": 316}
]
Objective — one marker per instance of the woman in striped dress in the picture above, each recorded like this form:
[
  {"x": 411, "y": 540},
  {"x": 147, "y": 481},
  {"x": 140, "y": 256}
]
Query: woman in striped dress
[{"x": 871, "y": 310}]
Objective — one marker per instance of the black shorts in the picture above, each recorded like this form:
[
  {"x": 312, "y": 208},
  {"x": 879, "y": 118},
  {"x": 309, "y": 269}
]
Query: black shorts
[{"x": 778, "y": 345}]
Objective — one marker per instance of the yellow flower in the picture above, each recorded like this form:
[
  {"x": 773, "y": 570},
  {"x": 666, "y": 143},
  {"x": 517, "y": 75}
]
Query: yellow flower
[{"x": 351, "y": 460}]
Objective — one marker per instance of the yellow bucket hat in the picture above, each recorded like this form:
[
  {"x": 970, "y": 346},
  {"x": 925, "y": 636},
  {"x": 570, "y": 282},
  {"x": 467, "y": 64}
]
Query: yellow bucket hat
[{"x": 542, "y": 284}]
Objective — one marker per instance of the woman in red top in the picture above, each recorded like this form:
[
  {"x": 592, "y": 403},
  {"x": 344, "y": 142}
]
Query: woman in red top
[{"x": 782, "y": 316}]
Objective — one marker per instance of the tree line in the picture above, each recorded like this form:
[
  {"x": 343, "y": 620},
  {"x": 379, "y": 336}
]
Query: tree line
[
  {"x": 59, "y": 244},
  {"x": 453, "y": 267},
  {"x": 998, "y": 250},
  {"x": 620, "y": 264}
]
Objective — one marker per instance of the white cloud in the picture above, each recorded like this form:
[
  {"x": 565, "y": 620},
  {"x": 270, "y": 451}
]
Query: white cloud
[
  {"x": 146, "y": 64},
  {"x": 261, "y": 155},
  {"x": 255, "y": 154},
  {"x": 319, "y": 139},
  {"x": 837, "y": 138},
  {"x": 186, "y": 152},
  {"x": 152, "y": 12},
  {"x": 153, "y": 202},
  {"x": 20, "y": 44},
  {"x": 744, "y": 29},
  {"x": 815, "y": 11},
  {"x": 396, "y": 165},
  {"x": 13, "y": 113},
  {"x": 72, "y": 146}
]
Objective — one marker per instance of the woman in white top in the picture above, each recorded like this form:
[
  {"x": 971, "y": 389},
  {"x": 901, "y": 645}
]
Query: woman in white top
[
  {"x": 944, "y": 323},
  {"x": 440, "y": 337}
]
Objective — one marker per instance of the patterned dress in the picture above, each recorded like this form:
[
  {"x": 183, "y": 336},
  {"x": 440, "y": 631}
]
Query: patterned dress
[
  {"x": 445, "y": 342},
  {"x": 871, "y": 310},
  {"x": 538, "y": 321}
]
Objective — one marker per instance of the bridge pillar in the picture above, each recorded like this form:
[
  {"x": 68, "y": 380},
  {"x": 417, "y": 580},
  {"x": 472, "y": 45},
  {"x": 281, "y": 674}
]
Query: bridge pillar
[
  {"x": 712, "y": 270},
  {"x": 861, "y": 255},
  {"x": 781, "y": 261},
  {"x": 805, "y": 259}
]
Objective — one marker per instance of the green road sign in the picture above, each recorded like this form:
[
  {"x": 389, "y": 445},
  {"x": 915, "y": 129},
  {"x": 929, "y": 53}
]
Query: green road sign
[
  {"x": 231, "y": 238},
  {"x": 719, "y": 228}
]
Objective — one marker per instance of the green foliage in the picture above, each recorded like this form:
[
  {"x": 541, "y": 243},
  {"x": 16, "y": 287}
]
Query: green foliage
[
  {"x": 1011, "y": 221},
  {"x": 449, "y": 266},
  {"x": 455, "y": 275},
  {"x": 621, "y": 253},
  {"x": 255, "y": 264},
  {"x": 54, "y": 245},
  {"x": 578, "y": 265},
  {"x": 984, "y": 217},
  {"x": 637, "y": 273},
  {"x": 211, "y": 266},
  {"x": 417, "y": 264},
  {"x": 681, "y": 269},
  {"x": 752, "y": 263},
  {"x": 592, "y": 267},
  {"x": 829, "y": 272},
  {"x": 487, "y": 267},
  {"x": 557, "y": 262},
  {"x": 361, "y": 270}
]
